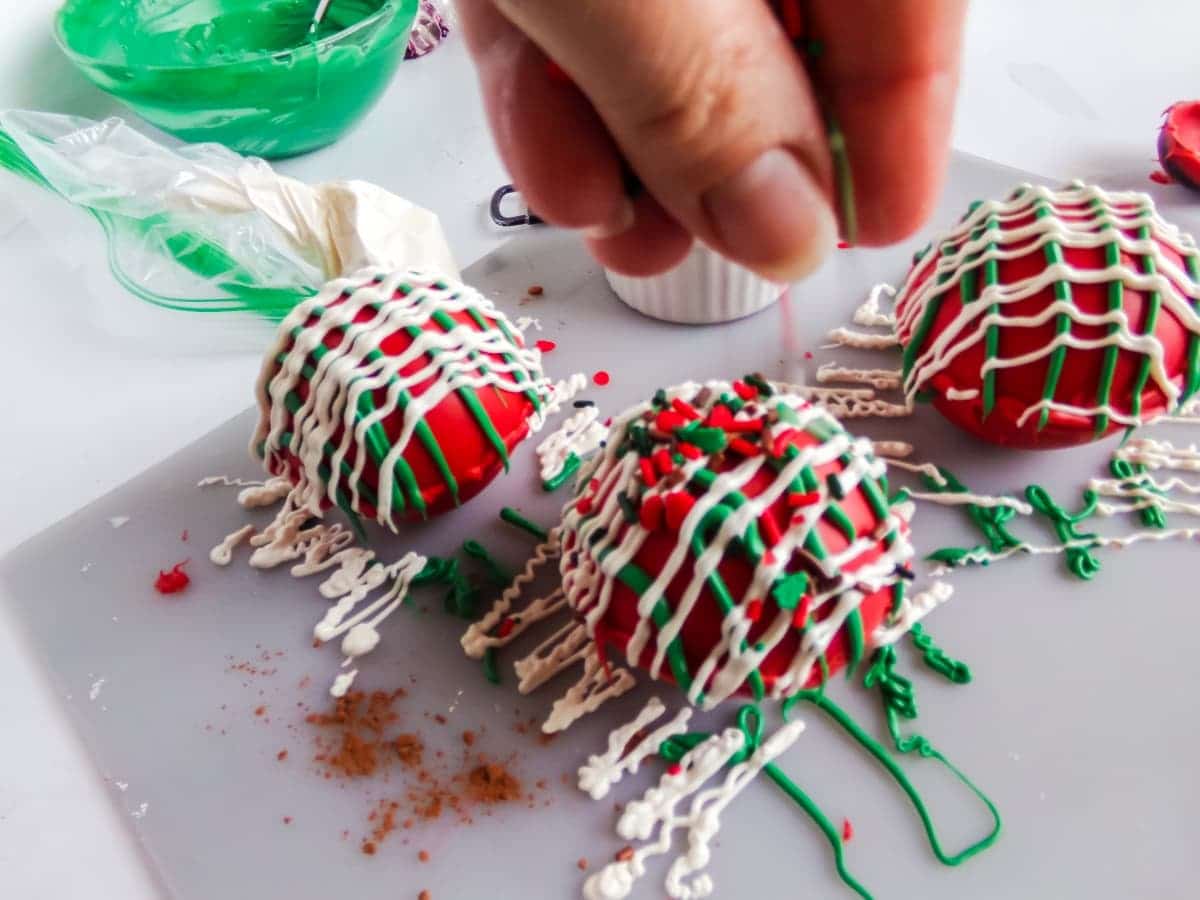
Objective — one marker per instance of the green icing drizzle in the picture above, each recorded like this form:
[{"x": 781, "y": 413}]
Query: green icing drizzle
[
  {"x": 512, "y": 517},
  {"x": 1116, "y": 301},
  {"x": 1192, "y": 261},
  {"x": 1080, "y": 559},
  {"x": 491, "y": 671},
  {"x": 917, "y": 342},
  {"x": 991, "y": 345},
  {"x": 497, "y": 574},
  {"x": 936, "y": 659},
  {"x": 1062, "y": 322},
  {"x": 1153, "y": 304},
  {"x": 899, "y": 702}
]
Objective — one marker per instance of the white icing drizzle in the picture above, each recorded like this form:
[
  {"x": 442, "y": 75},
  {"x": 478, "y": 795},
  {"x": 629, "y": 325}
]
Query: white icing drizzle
[
  {"x": 597, "y": 685},
  {"x": 845, "y": 337},
  {"x": 941, "y": 272},
  {"x": 882, "y": 379},
  {"x": 871, "y": 314},
  {"x": 849, "y": 403},
  {"x": 913, "y": 610},
  {"x": 969, "y": 499},
  {"x": 658, "y": 811},
  {"x": 226, "y": 481},
  {"x": 268, "y": 493},
  {"x": 598, "y": 776},
  {"x": 342, "y": 684},
  {"x": 557, "y": 653},
  {"x": 222, "y": 554},
  {"x": 961, "y": 394},
  {"x": 605, "y": 544},
  {"x": 892, "y": 450},
  {"x": 466, "y": 356},
  {"x": 1155, "y": 454},
  {"x": 579, "y": 436},
  {"x": 477, "y": 638},
  {"x": 560, "y": 393}
]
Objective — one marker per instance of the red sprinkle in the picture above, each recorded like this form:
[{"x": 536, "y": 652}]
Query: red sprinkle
[
  {"x": 769, "y": 529},
  {"x": 584, "y": 506},
  {"x": 844, "y": 245},
  {"x": 684, "y": 408},
  {"x": 847, "y": 830},
  {"x": 719, "y": 416},
  {"x": 691, "y": 451},
  {"x": 749, "y": 426},
  {"x": 744, "y": 390},
  {"x": 648, "y": 474},
  {"x": 651, "y": 513},
  {"x": 796, "y": 499},
  {"x": 663, "y": 461},
  {"x": 601, "y": 378},
  {"x": 800, "y": 619},
  {"x": 754, "y": 610},
  {"x": 744, "y": 447},
  {"x": 808, "y": 354},
  {"x": 546, "y": 346},
  {"x": 679, "y": 504},
  {"x": 1158, "y": 176},
  {"x": 173, "y": 580},
  {"x": 674, "y": 769},
  {"x": 506, "y": 627}
]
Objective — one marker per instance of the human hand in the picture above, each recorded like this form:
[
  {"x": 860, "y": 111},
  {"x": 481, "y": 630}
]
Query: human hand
[{"x": 711, "y": 105}]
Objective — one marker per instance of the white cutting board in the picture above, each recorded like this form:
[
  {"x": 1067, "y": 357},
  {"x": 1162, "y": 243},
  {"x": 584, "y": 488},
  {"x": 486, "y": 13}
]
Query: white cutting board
[{"x": 1080, "y": 722}]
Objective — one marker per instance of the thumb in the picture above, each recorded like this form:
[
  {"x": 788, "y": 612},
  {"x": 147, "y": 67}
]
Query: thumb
[{"x": 711, "y": 106}]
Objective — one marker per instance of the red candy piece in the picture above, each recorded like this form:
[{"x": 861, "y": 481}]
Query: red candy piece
[
  {"x": 745, "y": 391},
  {"x": 679, "y": 504},
  {"x": 172, "y": 580},
  {"x": 651, "y": 513},
  {"x": 546, "y": 346},
  {"x": 1179, "y": 143}
]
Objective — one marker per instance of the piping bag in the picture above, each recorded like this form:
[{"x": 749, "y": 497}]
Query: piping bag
[{"x": 201, "y": 229}]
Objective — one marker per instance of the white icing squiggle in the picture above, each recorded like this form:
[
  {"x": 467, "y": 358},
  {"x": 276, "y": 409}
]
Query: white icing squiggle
[
  {"x": 881, "y": 379},
  {"x": 579, "y": 436},
  {"x": 598, "y": 684},
  {"x": 478, "y": 636},
  {"x": 658, "y": 810},
  {"x": 597, "y": 778}
]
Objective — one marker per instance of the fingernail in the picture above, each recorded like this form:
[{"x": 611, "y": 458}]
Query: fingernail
[
  {"x": 620, "y": 222},
  {"x": 772, "y": 217}
]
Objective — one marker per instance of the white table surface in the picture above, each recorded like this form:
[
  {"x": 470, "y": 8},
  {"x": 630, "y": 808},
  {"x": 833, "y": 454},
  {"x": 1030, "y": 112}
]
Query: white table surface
[{"x": 1072, "y": 88}]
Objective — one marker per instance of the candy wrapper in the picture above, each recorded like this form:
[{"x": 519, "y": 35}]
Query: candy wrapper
[
  {"x": 200, "y": 228},
  {"x": 429, "y": 30}
]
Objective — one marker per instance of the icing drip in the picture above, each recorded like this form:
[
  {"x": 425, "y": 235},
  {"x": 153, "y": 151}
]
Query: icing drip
[
  {"x": 602, "y": 772},
  {"x": 845, "y": 337},
  {"x": 480, "y": 635},
  {"x": 911, "y": 611},
  {"x": 222, "y": 554},
  {"x": 599, "y": 683},
  {"x": 658, "y": 810},
  {"x": 344, "y": 382},
  {"x": 871, "y": 314},
  {"x": 1052, "y": 220},
  {"x": 850, "y": 403},
  {"x": 882, "y": 379},
  {"x": 577, "y": 438},
  {"x": 563, "y": 649},
  {"x": 256, "y": 493}
]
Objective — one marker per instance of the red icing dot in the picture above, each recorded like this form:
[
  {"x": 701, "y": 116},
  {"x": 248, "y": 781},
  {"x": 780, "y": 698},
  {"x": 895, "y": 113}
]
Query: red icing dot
[
  {"x": 674, "y": 769},
  {"x": 506, "y": 627},
  {"x": 847, "y": 830},
  {"x": 808, "y": 354},
  {"x": 754, "y": 610},
  {"x": 1158, "y": 176},
  {"x": 601, "y": 378},
  {"x": 546, "y": 346},
  {"x": 172, "y": 580},
  {"x": 844, "y": 245}
]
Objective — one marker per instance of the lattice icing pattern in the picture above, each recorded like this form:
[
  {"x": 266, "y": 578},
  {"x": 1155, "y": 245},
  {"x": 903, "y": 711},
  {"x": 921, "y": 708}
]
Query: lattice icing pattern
[
  {"x": 397, "y": 395},
  {"x": 1053, "y": 318}
]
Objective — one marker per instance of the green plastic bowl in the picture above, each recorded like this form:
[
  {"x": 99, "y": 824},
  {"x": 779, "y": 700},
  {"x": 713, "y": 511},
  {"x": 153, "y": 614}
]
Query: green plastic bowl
[{"x": 245, "y": 73}]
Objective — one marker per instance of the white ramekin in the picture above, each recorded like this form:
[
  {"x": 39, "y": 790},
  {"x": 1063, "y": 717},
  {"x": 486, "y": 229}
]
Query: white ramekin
[{"x": 703, "y": 289}]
